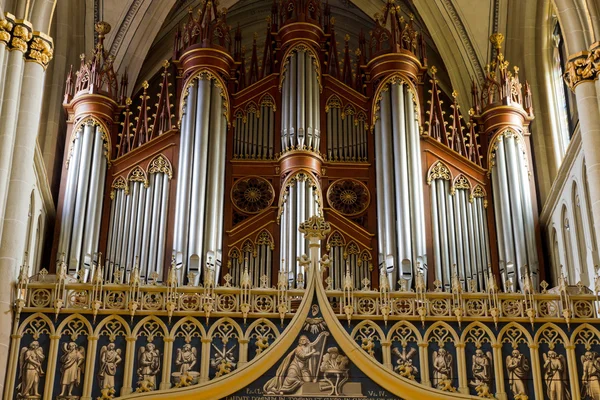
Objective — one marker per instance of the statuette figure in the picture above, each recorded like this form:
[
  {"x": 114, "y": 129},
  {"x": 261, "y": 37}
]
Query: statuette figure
[
  {"x": 405, "y": 365},
  {"x": 148, "y": 367},
  {"x": 72, "y": 363},
  {"x": 557, "y": 384},
  {"x": 335, "y": 371},
  {"x": 224, "y": 361},
  {"x": 298, "y": 367},
  {"x": 110, "y": 358},
  {"x": 590, "y": 380},
  {"x": 187, "y": 356},
  {"x": 30, "y": 365},
  {"x": 482, "y": 372},
  {"x": 442, "y": 371},
  {"x": 518, "y": 371}
]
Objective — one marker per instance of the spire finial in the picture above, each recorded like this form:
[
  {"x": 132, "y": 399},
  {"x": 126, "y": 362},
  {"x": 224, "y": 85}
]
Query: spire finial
[{"x": 497, "y": 39}]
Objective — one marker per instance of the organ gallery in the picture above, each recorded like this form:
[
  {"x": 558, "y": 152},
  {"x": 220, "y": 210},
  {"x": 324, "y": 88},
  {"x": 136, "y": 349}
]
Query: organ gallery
[{"x": 308, "y": 210}]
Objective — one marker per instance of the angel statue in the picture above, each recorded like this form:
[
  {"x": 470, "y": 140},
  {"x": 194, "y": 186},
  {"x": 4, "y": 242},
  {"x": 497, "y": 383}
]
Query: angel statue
[
  {"x": 557, "y": 384},
  {"x": 518, "y": 371},
  {"x": 110, "y": 358},
  {"x": 442, "y": 370},
  {"x": 186, "y": 358},
  {"x": 71, "y": 368},
  {"x": 405, "y": 366},
  {"x": 148, "y": 366},
  {"x": 299, "y": 366},
  {"x": 30, "y": 365},
  {"x": 591, "y": 376},
  {"x": 482, "y": 371}
]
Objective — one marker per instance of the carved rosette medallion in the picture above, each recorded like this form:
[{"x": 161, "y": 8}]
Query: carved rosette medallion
[
  {"x": 348, "y": 196},
  {"x": 252, "y": 194}
]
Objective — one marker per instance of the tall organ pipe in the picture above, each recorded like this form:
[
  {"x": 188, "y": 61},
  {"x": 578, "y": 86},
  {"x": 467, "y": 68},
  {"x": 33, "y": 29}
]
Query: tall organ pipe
[
  {"x": 81, "y": 196},
  {"x": 144, "y": 260},
  {"x": 515, "y": 201},
  {"x": 460, "y": 260},
  {"x": 301, "y": 99},
  {"x": 70, "y": 193},
  {"x": 214, "y": 154},
  {"x": 436, "y": 230},
  {"x": 162, "y": 226},
  {"x": 451, "y": 229},
  {"x": 152, "y": 264},
  {"x": 505, "y": 210},
  {"x": 91, "y": 210},
  {"x": 132, "y": 223},
  {"x": 293, "y": 112},
  {"x": 310, "y": 130},
  {"x": 220, "y": 194},
  {"x": 529, "y": 222}
]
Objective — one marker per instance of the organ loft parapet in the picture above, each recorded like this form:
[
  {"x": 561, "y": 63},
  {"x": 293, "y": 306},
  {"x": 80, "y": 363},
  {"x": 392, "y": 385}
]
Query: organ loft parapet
[{"x": 239, "y": 224}]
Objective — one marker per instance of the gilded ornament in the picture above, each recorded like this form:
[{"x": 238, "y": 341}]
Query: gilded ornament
[
  {"x": 252, "y": 194},
  {"x": 439, "y": 170},
  {"x": 315, "y": 227},
  {"x": 5, "y": 30},
  {"x": 21, "y": 36},
  {"x": 160, "y": 165},
  {"x": 348, "y": 196},
  {"x": 41, "y": 50}
]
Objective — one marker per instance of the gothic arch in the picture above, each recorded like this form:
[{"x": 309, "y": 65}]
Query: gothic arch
[{"x": 109, "y": 319}]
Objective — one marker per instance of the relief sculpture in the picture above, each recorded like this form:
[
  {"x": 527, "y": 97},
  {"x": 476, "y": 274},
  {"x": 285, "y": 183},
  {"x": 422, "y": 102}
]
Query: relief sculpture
[
  {"x": 518, "y": 371},
  {"x": 72, "y": 363},
  {"x": 557, "y": 384},
  {"x": 590, "y": 385},
  {"x": 30, "y": 364}
]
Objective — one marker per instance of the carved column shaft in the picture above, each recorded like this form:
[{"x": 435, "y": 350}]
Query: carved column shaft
[
  {"x": 52, "y": 361},
  {"x": 168, "y": 357},
  {"x": 128, "y": 363},
  {"x": 12, "y": 365},
  {"x": 424, "y": 363},
  {"x": 88, "y": 382},
  {"x": 498, "y": 371},
  {"x": 462, "y": 368},
  {"x": 536, "y": 372}
]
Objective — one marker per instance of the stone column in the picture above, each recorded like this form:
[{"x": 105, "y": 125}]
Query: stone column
[
  {"x": 128, "y": 363},
  {"x": 498, "y": 371},
  {"x": 19, "y": 123},
  {"x": 580, "y": 77}
]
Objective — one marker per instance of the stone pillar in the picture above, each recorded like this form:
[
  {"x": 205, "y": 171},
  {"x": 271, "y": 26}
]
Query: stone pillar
[
  {"x": 580, "y": 76},
  {"x": 19, "y": 123},
  {"x": 498, "y": 371},
  {"x": 128, "y": 362}
]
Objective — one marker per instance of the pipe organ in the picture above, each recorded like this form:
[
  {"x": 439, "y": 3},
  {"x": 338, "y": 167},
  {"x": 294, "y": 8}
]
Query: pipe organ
[{"x": 215, "y": 179}]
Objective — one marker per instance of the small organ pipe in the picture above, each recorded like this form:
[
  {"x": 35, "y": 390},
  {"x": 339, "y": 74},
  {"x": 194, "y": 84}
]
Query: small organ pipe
[
  {"x": 220, "y": 192},
  {"x": 465, "y": 234},
  {"x": 293, "y": 102},
  {"x": 316, "y": 105},
  {"x": 283, "y": 234},
  {"x": 112, "y": 252},
  {"x": 139, "y": 224},
  {"x": 460, "y": 260},
  {"x": 121, "y": 232},
  {"x": 132, "y": 222},
  {"x": 126, "y": 228},
  {"x": 262, "y": 132},
  {"x": 162, "y": 227},
  {"x": 311, "y": 107},
  {"x": 81, "y": 196},
  {"x": 98, "y": 206},
  {"x": 416, "y": 182},
  {"x": 329, "y": 117},
  {"x": 441, "y": 194},
  {"x": 285, "y": 104},
  {"x": 451, "y": 228},
  {"x": 153, "y": 250},
  {"x": 111, "y": 226},
  {"x": 435, "y": 221},
  {"x": 334, "y": 134},
  {"x": 483, "y": 239},
  {"x": 477, "y": 240},
  {"x": 302, "y": 82},
  {"x": 292, "y": 227},
  {"x": 271, "y": 130},
  {"x": 528, "y": 211},
  {"x": 144, "y": 259},
  {"x": 472, "y": 249}
]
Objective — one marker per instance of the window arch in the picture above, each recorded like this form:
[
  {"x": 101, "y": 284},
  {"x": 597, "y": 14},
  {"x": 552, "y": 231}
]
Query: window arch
[
  {"x": 566, "y": 108},
  {"x": 566, "y": 233}
]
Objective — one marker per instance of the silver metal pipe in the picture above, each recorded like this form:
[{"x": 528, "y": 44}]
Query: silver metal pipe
[
  {"x": 92, "y": 209},
  {"x": 220, "y": 195},
  {"x": 70, "y": 195},
  {"x": 472, "y": 247},
  {"x": 285, "y": 104},
  {"x": 262, "y": 132},
  {"x": 301, "y": 215},
  {"x": 99, "y": 206},
  {"x": 212, "y": 181},
  {"x": 504, "y": 204},
  {"x": 400, "y": 178},
  {"x": 198, "y": 201},
  {"x": 334, "y": 125},
  {"x": 447, "y": 268},
  {"x": 126, "y": 225},
  {"x": 381, "y": 238},
  {"x": 293, "y": 229},
  {"x": 162, "y": 227},
  {"x": 124, "y": 217},
  {"x": 154, "y": 231},
  {"x": 283, "y": 232},
  {"x": 451, "y": 228},
  {"x": 317, "y": 108},
  {"x": 271, "y": 131},
  {"x": 435, "y": 222},
  {"x": 83, "y": 187},
  {"x": 529, "y": 228},
  {"x": 139, "y": 224},
  {"x": 302, "y": 82},
  {"x": 130, "y": 240},
  {"x": 478, "y": 248},
  {"x": 329, "y": 117},
  {"x": 415, "y": 179},
  {"x": 119, "y": 206},
  {"x": 355, "y": 138},
  {"x": 460, "y": 258},
  {"x": 111, "y": 227},
  {"x": 483, "y": 238},
  {"x": 388, "y": 185},
  {"x": 293, "y": 112},
  {"x": 310, "y": 100},
  {"x": 184, "y": 173},
  {"x": 499, "y": 228},
  {"x": 145, "y": 250},
  {"x": 246, "y": 140},
  {"x": 514, "y": 185},
  {"x": 466, "y": 268}
]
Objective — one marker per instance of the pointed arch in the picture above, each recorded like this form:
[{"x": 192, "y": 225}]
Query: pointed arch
[
  {"x": 407, "y": 324},
  {"x": 554, "y": 327},
  {"x": 333, "y": 101},
  {"x": 484, "y": 327},
  {"x": 517, "y": 326},
  {"x": 33, "y": 317},
  {"x": 384, "y": 85},
  {"x": 110, "y": 318},
  {"x": 429, "y": 332},
  {"x": 223, "y": 320},
  {"x": 194, "y": 321},
  {"x": 160, "y": 164},
  {"x": 301, "y": 45},
  {"x": 150, "y": 318},
  {"x": 205, "y": 73},
  {"x": 438, "y": 170},
  {"x": 256, "y": 323},
  {"x": 75, "y": 317}
]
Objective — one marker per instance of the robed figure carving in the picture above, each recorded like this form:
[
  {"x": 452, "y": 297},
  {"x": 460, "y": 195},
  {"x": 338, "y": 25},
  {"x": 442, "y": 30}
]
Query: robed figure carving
[
  {"x": 299, "y": 366},
  {"x": 518, "y": 371},
  {"x": 30, "y": 363},
  {"x": 442, "y": 370},
  {"x": 590, "y": 388},
  {"x": 556, "y": 378},
  {"x": 110, "y": 358},
  {"x": 72, "y": 362},
  {"x": 148, "y": 366}
]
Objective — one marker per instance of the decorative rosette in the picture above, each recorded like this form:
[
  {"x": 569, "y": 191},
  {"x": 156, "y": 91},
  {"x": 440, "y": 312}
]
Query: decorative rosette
[
  {"x": 348, "y": 196},
  {"x": 252, "y": 194}
]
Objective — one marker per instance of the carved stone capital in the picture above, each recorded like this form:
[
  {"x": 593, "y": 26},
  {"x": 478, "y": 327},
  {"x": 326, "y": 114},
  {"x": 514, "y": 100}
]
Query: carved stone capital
[
  {"x": 22, "y": 34},
  {"x": 581, "y": 68},
  {"x": 315, "y": 227},
  {"x": 41, "y": 49},
  {"x": 6, "y": 27}
]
